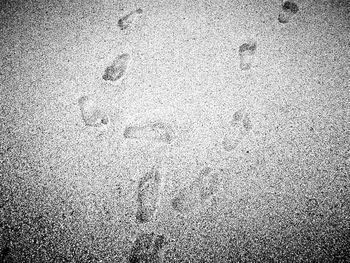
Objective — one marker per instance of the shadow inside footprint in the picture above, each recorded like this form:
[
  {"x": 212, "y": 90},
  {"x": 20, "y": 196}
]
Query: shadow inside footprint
[
  {"x": 118, "y": 69},
  {"x": 147, "y": 248},
  {"x": 246, "y": 53},
  {"x": 290, "y": 6},
  {"x": 148, "y": 196},
  {"x": 247, "y": 48},
  {"x": 288, "y": 10},
  {"x": 126, "y": 21},
  {"x": 159, "y": 242}
]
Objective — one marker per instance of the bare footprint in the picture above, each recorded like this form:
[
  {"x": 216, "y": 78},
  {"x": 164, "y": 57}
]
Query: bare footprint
[
  {"x": 117, "y": 71},
  {"x": 288, "y": 10},
  {"x": 246, "y": 53},
  {"x": 200, "y": 192},
  {"x": 247, "y": 123},
  {"x": 186, "y": 200},
  {"x": 148, "y": 248},
  {"x": 166, "y": 125},
  {"x": 240, "y": 126},
  {"x": 126, "y": 21},
  {"x": 237, "y": 117},
  {"x": 148, "y": 196},
  {"x": 210, "y": 182},
  {"x": 157, "y": 131},
  {"x": 91, "y": 113}
]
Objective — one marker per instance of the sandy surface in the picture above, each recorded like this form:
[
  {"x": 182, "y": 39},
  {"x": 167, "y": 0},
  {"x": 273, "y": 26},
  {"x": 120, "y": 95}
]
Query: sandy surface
[{"x": 69, "y": 191}]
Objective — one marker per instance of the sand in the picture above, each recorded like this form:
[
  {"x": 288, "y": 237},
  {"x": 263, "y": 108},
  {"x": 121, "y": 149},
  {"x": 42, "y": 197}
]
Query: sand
[{"x": 69, "y": 187}]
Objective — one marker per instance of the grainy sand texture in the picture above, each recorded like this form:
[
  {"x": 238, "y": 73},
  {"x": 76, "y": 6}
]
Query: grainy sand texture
[{"x": 236, "y": 111}]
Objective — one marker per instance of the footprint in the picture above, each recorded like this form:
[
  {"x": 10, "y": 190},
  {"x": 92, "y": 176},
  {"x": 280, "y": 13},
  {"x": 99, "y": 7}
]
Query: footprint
[
  {"x": 200, "y": 192},
  {"x": 247, "y": 123},
  {"x": 186, "y": 199},
  {"x": 240, "y": 126},
  {"x": 126, "y": 21},
  {"x": 246, "y": 53},
  {"x": 148, "y": 248},
  {"x": 157, "y": 131},
  {"x": 210, "y": 183},
  {"x": 237, "y": 117},
  {"x": 91, "y": 113},
  {"x": 290, "y": 6},
  {"x": 148, "y": 196},
  {"x": 288, "y": 10},
  {"x": 166, "y": 125},
  {"x": 117, "y": 71}
]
